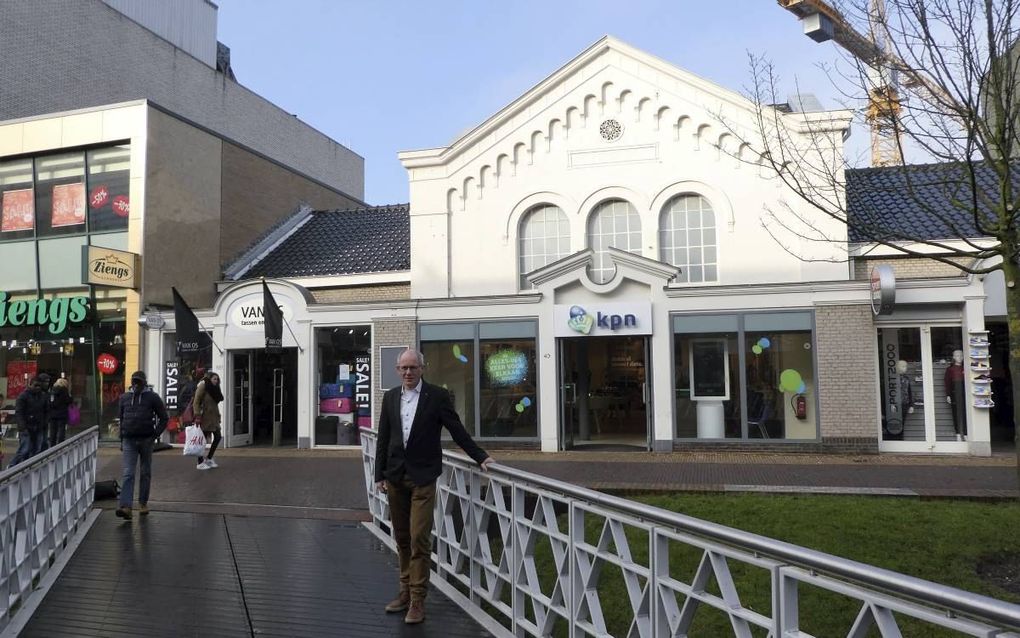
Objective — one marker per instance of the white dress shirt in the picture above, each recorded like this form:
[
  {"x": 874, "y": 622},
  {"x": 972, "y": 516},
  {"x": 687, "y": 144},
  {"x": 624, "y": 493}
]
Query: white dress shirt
[{"x": 408, "y": 407}]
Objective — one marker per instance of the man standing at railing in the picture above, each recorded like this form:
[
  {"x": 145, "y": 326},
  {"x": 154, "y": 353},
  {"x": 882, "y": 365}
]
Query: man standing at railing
[
  {"x": 143, "y": 418},
  {"x": 31, "y": 411},
  {"x": 408, "y": 460}
]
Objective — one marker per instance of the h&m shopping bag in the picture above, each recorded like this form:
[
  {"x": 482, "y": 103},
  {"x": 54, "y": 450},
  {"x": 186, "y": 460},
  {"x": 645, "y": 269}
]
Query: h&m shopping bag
[{"x": 194, "y": 441}]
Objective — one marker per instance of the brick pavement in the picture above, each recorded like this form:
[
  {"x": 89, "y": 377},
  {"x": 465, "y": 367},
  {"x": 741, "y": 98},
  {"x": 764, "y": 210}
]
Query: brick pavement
[{"x": 330, "y": 483}]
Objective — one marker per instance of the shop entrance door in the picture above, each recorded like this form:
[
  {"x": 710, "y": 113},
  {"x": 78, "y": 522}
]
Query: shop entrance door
[
  {"x": 240, "y": 400},
  {"x": 604, "y": 393},
  {"x": 925, "y": 380},
  {"x": 263, "y": 398}
]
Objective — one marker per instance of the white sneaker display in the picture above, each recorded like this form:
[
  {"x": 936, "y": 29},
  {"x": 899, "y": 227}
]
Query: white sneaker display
[{"x": 204, "y": 465}]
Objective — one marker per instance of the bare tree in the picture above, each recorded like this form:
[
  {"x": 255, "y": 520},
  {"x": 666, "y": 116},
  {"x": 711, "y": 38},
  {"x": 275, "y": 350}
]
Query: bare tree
[{"x": 958, "y": 113}]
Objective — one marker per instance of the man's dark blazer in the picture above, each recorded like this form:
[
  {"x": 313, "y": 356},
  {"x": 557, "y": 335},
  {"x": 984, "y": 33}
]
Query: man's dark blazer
[{"x": 422, "y": 459}]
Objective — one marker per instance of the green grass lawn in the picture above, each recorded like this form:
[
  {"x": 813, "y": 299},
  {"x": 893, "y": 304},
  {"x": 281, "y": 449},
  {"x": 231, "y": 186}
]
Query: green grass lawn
[{"x": 939, "y": 540}]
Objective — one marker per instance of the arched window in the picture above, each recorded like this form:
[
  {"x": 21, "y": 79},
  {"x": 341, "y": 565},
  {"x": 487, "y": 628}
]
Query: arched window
[
  {"x": 544, "y": 237},
  {"x": 687, "y": 238},
  {"x": 613, "y": 223}
]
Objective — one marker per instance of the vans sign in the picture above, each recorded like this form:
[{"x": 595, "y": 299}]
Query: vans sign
[
  {"x": 602, "y": 319},
  {"x": 248, "y": 313}
]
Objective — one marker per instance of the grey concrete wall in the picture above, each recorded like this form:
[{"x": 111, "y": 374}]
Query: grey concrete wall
[
  {"x": 182, "y": 210},
  {"x": 847, "y": 356},
  {"x": 60, "y": 55},
  {"x": 258, "y": 193}
]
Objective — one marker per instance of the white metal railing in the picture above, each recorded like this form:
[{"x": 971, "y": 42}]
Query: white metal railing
[
  {"x": 493, "y": 531},
  {"x": 43, "y": 503}
]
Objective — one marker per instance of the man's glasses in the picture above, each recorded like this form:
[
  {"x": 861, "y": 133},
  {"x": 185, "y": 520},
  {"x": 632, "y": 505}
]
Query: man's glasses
[{"x": 408, "y": 368}]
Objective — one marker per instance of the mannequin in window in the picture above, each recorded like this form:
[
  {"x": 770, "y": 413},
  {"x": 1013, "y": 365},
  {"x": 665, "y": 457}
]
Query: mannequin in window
[
  {"x": 956, "y": 395},
  {"x": 905, "y": 397}
]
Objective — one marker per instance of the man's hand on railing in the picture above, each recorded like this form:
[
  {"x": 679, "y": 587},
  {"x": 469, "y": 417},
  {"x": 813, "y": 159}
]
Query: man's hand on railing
[
  {"x": 486, "y": 463},
  {"x": 381, "y": 486}
]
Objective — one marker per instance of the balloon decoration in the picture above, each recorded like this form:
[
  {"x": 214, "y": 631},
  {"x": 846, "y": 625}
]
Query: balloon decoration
[
  {"x": 523, "y": 404},
  {"x": 763, "y": 344},
  {"x": 460, "y": 356},
  {"x": 791, "y": 381}
]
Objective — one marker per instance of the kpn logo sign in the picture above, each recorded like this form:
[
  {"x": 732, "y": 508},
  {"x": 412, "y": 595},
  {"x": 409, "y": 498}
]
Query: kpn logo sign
[{"x": 603, "y": 319}]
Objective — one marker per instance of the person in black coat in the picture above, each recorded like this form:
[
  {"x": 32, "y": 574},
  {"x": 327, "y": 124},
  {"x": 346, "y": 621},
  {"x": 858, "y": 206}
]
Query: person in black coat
[
  {"x": 31, "y": 411},
  {"x": 143, "y": 418},
  {"x": 409, "y": 459},
  {"x": 60, "y": 401}
]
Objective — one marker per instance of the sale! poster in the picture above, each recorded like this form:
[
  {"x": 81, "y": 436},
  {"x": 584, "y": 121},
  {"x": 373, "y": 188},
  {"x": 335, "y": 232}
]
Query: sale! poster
[
  {"x": 68, "y": 204},
  {"x": 19, "y": 373},
  {"x": 18, "y": 210}
]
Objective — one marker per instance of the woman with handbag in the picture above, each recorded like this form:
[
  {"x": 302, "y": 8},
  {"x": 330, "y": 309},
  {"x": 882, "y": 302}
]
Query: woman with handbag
[
  {"x": 60, "y": 404},
  {"x": 206, "y": 407}
]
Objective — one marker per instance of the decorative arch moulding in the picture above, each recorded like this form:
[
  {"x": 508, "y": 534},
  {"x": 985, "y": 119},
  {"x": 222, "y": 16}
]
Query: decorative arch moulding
[{"x": 612, "y": 105}]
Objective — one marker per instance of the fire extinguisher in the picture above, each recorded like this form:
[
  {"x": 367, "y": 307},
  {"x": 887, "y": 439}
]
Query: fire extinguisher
[{"x": 800, "y": 406}]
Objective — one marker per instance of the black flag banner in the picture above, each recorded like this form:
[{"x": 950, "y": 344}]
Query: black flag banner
[
  {"x": 273, "y": 318},
  {"x": 190, "y": 338}
]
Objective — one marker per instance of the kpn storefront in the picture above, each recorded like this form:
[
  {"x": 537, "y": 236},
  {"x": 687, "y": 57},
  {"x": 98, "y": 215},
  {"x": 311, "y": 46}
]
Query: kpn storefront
[{"x": 636, "y": 363}]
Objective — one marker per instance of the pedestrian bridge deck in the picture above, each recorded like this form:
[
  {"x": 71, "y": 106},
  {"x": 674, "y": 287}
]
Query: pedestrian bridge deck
[{"x": 199, "y": 574}]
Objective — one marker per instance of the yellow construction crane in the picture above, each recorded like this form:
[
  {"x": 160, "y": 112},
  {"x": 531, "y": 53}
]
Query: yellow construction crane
[{"x": 821, "y": 23}]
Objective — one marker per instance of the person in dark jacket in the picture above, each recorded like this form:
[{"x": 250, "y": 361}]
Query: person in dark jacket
[
  {"x": 60, "y": 401},
  {"x": 408, "y": 460},
  {"x": 143, "y": 418},
  {"x": 31, "y": 411}
]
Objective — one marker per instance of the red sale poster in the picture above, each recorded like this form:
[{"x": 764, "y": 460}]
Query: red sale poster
[
  {"x": 18, "y": 210},
  {"x": 19, "y": 373},
  {"x": 68, "y": 204}
]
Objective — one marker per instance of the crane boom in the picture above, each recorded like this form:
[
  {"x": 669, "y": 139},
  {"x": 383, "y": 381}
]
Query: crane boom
[{"x": 821, "y": 23}]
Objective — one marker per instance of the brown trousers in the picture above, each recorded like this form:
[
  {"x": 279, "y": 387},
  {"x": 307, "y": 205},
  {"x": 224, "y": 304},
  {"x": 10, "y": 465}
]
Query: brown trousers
[{"x": 411, "y": 513}]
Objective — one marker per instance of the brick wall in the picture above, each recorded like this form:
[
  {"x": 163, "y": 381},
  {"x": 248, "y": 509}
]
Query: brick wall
[
  {"x": 61, "y": 55},
  {"x": 909, "y": 267},
  {"x": 847, "y": 390},
  {"x": 388, "y": 332},
  {"x": 362, "y": 293}
]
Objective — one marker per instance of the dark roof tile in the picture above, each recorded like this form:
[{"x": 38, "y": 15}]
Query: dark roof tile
[
  {"x": 342, "y": 242},
  {"x": 904, "y": 203}
]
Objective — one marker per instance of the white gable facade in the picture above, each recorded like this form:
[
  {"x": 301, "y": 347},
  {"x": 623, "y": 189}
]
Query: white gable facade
[
  {"x": 593, "y": 267},
  {"x": 618, "y": 190}
]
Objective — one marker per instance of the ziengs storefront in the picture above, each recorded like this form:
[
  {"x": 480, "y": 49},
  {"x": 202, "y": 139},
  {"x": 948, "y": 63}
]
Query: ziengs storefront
[{"x": 62, "y": 216}]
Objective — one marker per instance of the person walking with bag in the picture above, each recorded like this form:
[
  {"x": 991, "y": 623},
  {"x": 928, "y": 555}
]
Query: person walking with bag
[
  {"x": 60, "y": 402},
  {"x": 206, "y": 407},
  {"x": 143, "y": 418},
  {"x": 31, "y": 411},
  {"x": 408, "y": 460}
]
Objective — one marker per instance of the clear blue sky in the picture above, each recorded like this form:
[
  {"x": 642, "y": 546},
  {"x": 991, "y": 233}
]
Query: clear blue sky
[{"x": 382, "y": 76}]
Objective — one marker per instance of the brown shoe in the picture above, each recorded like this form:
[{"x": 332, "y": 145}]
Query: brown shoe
[
  {"x": 124, "y": 512},
  {"x": 415, "y": 612},
  {"x": 399, "y": 603},
  {"x": 143, "y": 509}
]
